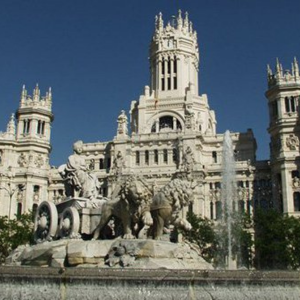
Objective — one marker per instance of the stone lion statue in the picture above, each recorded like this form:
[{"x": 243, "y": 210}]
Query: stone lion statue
[
  {"x": 131, "y": 204},
  {"x": 167, "y": 204}
]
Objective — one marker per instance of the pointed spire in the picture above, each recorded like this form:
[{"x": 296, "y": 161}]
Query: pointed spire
[
  {"x": 179, "y": 20},
  {"x": 278, "y": 68},
  {"x": 160, "y": 23},
  {"x": 11, "y": 127},
  {"x": 186, "y": 21},
  {"x": 191, "y": 27},
  {"x": 270, "y": 73},
  {"x": 36, "y": 93},
  {"x": 23, "y": 94},
  {"x": 296, "y": 67}
]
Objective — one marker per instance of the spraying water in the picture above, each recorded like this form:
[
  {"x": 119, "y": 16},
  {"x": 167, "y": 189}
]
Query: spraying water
[{"x": 228, "y": 195}]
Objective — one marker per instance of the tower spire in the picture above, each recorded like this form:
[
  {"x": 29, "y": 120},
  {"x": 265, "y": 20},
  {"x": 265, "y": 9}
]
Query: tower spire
[{"x": 179, "y": 20}]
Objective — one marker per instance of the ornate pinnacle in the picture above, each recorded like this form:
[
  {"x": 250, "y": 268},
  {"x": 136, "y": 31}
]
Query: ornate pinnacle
[
  {"x": 186, "y": 20},
  {"x": 36, "y": 93},
  {"x": 160, "y": 23},
  {"x": 179, "y": 20},
  {"x": 23, "y": 94},
  {"x": 11, "y": 127},
  {"x": 270, "y": 73},
  {"x": 296, "y": 67}
]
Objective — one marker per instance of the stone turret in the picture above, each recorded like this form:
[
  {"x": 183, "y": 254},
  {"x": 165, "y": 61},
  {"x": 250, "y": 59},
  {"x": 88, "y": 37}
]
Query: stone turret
[
  {"x": 35, "y": 115},
  {"x": 283, "y": 96},
  {"x": 280, "y": 77},
  {"x": 174, "y": 56}
]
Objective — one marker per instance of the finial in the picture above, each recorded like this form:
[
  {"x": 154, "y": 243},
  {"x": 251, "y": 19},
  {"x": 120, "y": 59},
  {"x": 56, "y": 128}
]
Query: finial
[
  {"x": 186, "y": 20},
  {"x": 160, "y": 22},
  {"x": 11, "y": 127},
  {"x": 179, "y": 20},
  {"x": 278, "y": 67},
  {"x": 296, "y": 67},
  {"x": 24, "y": 93},
  {"x": 191, "y": 27},
  {"x": 269, "y": 70},
  {"x": 36, "y": 93}
]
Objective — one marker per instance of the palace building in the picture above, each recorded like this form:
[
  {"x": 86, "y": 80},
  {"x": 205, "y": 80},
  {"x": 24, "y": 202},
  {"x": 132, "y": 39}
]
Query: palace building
[{"x": 170, "y": 130}]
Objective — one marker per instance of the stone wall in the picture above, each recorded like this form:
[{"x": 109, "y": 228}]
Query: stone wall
[{"x": 100, "y": 283}]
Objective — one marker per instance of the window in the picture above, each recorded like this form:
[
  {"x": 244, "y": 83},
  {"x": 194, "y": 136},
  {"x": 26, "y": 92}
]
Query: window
[
  {"x": 211, "y": 210},
  {"x": 295, "y": 173},
  {"x": 175, "y": 155},
  {"x": 274, "y": 109},
  {"x": 169, "y": 65},
  {"x": 241, "y": 206},
  {"x": 26, "y": 126},
  {"x": 156, "y": 156},
  {"x": 290, "y": 104},
  {"x": 165, "y": 156},
  {"x": 214, "y": 156},
  {"x": 169, "y": 83},
  {"x": 137, "y": 157},
  {"x": 101, "y": 163},
  {"x": 19, "y": 210},
  {"x": 147, "y": 157},
  {"x": 297, "y": 201},
  {"x": 218, "y": 210},
  {"x": 162, "y": 84},
  {"x": 163, "y": 66},
  {"x": 108, "y": 162}
]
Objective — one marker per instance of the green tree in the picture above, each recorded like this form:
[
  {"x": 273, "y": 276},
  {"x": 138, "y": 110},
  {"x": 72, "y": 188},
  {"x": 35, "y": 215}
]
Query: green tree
[
  {"x": 15, "y": 232},
  {"x": 277, "y": 240},
  {"x": 202, "y": 234}
]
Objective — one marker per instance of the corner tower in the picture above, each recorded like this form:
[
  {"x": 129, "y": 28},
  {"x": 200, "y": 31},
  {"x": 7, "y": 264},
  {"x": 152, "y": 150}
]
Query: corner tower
[
  {"x": 284, "y": 128},
  {"x": 34, "y": 117}
]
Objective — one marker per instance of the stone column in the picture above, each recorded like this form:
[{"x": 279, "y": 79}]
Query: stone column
[{"x": 287, "y": 191}]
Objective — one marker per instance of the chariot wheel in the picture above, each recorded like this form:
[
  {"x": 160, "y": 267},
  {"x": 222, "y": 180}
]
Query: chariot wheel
[
  {"x": 46, "y": 221},
  {"x": 69, "y": 223}
]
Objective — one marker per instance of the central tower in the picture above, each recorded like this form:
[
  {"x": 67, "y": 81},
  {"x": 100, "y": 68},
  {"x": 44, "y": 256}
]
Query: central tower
[
  {"x": 174, "y": 57},
  {"x": 172, "y": 101}
]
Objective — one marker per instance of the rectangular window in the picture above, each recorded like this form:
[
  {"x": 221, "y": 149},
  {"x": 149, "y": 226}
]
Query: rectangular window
[
  {"x": 156, "y": 156},
  {"x": 175, "y": 83},
  {"x": 165, "y": 156},
  {"x": 162, "y": 84},
  {"x": 101, "y": 163},
  {"x": 169, "y": 83},
  {"x": 147, "y": 157},
  {"x": 214, "y": 156},
  {"x": 137, "y": 157}
]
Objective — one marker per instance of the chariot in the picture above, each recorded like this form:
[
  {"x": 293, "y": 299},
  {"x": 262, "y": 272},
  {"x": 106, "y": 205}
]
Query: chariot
[{"x": 72, "y": 218}]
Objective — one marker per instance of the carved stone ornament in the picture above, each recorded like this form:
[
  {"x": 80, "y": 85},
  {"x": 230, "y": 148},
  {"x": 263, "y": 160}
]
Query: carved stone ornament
[
  {"x": 296, "y": 182},
  {"x": 39, "y": 161},
  {"x": 292, "y": 142},
  {"x": 22, "y": 161}
]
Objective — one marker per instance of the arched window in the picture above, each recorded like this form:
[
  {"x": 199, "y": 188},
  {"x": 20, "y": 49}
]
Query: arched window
[{"x": 166, "y": 123}]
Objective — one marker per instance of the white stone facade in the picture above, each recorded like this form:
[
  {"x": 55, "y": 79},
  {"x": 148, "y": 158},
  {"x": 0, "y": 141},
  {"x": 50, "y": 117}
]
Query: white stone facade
[{"x": 169, "y": 130}]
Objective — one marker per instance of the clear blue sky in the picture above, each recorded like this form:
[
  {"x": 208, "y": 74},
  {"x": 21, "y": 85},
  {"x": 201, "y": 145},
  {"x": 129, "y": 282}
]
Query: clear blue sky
[{"x": 94, "y": 55}]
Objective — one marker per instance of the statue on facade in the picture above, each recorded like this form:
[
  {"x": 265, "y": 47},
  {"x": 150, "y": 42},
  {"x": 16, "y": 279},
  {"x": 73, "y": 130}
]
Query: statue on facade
[
  {"x": 122, "y": 123},
  {"x": 118, "y": 164},
  {"x": 188, "y": 160},
  {"x": 79, "y": 182}
]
